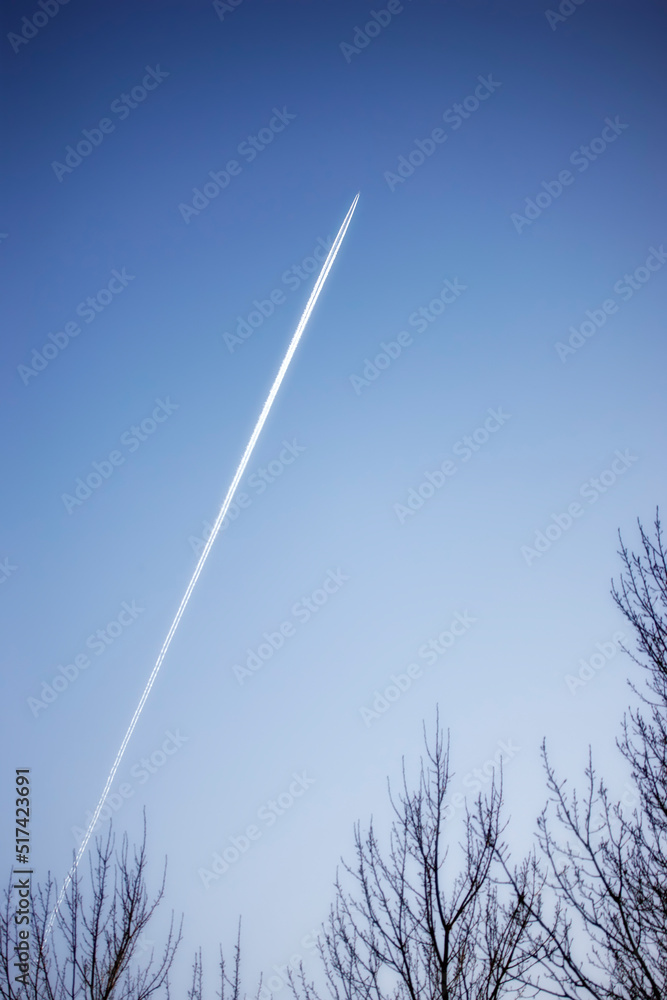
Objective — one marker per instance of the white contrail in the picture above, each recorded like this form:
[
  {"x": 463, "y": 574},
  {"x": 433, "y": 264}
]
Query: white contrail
[{"x": 310, "y": 305}]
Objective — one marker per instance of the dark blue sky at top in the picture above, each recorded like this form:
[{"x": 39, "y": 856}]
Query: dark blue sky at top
[{"x": 367, "y": 439}]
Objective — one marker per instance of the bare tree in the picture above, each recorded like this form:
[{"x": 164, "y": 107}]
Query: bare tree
[
  {"x": 410, "y": 930},
  {"x": 609, "y": 866},
  {"x": 92, "y": 952},
  {"x": 230, "y": 985}
]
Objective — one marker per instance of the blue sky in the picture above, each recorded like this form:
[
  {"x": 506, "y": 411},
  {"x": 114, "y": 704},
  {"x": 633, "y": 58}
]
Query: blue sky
[{"x": 380, "y": 397}]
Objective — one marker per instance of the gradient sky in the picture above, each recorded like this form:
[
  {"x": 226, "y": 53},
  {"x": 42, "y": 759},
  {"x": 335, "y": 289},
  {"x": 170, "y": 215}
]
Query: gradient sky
[{"x": 357, "y": 449}]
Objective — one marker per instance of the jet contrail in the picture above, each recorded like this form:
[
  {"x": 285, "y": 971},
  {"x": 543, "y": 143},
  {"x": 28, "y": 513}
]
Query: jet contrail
[{"x": 310, "y": 305}]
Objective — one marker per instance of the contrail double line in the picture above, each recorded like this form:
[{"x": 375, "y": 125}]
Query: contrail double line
[{"x": 266, "y": 409}]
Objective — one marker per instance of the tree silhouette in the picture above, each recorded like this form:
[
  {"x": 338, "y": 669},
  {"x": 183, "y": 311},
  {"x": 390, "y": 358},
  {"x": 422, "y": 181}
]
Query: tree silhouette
[
  {"x": 608, "y": 867},
  {"x": 409, "y": 929},
  {"x": 230, "y": 985},
  {"x": 92, "y": 951}
]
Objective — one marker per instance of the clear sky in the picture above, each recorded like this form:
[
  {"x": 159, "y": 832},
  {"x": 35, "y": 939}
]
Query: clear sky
[{"x": 486, "y": 363}]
